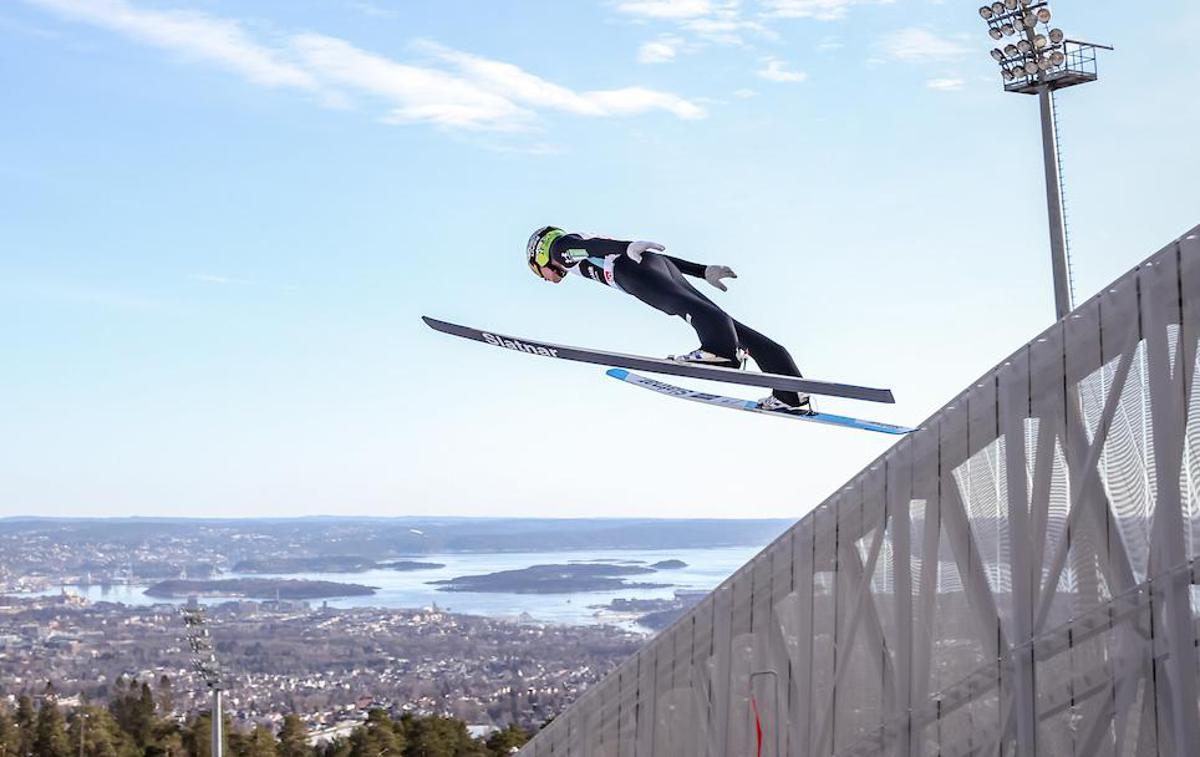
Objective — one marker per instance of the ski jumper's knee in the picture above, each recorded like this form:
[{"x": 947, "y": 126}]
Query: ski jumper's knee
[{"x": 715, "y": 328}]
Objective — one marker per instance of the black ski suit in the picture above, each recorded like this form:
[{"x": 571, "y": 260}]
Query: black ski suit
[{"x": 659, "y": 282}]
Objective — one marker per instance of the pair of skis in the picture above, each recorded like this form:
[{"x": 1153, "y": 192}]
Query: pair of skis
[{"x": 621, "y": 365}]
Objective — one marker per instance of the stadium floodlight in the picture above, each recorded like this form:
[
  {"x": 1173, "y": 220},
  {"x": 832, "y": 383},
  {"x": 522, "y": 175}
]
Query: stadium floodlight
[
  {"x": 204, "y": 663},
  {"x": 1040, "y": 64}
]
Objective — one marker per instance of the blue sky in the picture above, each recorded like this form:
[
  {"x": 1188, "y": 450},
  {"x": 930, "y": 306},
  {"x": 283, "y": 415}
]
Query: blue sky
[{"x": 220, "y": 222}]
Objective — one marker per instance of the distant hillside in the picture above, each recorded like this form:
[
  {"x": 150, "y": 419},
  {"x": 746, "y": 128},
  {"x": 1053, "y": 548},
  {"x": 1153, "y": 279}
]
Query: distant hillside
[{"x": 371, "y": 539}]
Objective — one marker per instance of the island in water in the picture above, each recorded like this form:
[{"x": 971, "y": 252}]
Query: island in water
[
  {"x": 410, "y": 565},
  {"x": 654, "y": 614},
  {"x": 552, "y": 579},
  {"x": 258, "y": 588},
  {"x": 669, "y": 565},
  {"x": 326, "y": 564}
]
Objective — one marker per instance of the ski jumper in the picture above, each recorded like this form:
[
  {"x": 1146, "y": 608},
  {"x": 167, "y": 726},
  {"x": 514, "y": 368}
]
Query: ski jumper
[{"x": 659, "y": 282}]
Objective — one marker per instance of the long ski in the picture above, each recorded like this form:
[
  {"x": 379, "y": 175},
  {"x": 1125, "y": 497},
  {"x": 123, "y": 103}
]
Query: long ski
[
  {"x": 657, "y": 365},
  {"x": 733, "y": 403}
]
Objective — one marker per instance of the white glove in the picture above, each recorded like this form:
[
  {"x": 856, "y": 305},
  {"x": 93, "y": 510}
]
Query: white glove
[
  {"x": 635, "y": 249},
  {"x": 714, "y": 273}
]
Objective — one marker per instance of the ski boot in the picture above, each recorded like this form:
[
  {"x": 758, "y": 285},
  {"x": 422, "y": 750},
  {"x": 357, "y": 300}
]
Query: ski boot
[
  {"x": 804, "y": 407},
  {"x": 704, "y": 357}
]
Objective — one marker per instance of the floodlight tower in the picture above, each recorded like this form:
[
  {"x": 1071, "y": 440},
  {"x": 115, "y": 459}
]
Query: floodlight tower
[
  {"x": 1040, "y": 63},
  {"x": 204, "y": 662}
]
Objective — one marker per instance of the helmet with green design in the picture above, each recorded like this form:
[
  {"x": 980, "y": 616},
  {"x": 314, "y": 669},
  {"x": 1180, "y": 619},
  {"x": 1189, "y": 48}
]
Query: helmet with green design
[{"x": 537, "y": 251}]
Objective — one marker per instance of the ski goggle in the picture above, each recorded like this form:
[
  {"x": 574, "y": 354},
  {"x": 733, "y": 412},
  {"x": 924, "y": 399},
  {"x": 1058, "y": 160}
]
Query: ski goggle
[{"x": 540, "y": 269}]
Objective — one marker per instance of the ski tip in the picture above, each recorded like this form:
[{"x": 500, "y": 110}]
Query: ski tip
[{"x": 618, "y": 373}]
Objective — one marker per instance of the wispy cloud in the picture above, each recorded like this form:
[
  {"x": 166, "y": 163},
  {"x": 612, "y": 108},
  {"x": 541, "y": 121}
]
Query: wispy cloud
[
  {"x": 372, "y": 10},
  {"x": 196, "y": 36},
  {"x": 413, "y": 93},
  {"x": 477, "y": 94},
  {"x": 744, "y": 93},
  {"x": 919, "y": 44},
  {"x": 670, "y": 9},
  {"x": 821, "y": 10},
  {"x": 945, "y": 85},
  {"x": 776, "y": 70},
  {"x": 721, "y": 22},
  {"x": 729, "y": 22},
  {"x": 512, "y": 82},
  {"x": 662, "y": 50}
]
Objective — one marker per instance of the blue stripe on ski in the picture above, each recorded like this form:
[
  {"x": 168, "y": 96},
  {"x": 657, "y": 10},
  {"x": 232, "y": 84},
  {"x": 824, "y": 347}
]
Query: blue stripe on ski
[{"x": 733, "y": 403}]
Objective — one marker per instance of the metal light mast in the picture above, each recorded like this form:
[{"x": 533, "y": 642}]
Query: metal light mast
[
  {"x": 1039, "y": 63},
  {"x": 204, "y": 662}
]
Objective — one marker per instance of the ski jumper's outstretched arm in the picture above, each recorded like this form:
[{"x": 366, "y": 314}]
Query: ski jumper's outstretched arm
[
  {"x": 568, "y": 248},
  {"x": 600, "y": 247},
  {"x": 687, "y": 267}
]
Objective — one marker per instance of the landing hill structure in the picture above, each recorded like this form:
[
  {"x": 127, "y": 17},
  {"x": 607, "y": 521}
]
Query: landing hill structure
[{"x": 1017, "y": 577}]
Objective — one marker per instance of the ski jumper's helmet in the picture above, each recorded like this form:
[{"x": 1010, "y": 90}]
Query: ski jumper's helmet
[{"x": 537, "y": 251}]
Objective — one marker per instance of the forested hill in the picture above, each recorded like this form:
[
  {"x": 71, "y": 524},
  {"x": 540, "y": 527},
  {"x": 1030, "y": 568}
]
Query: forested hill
[{"x": 139, "y": 720}]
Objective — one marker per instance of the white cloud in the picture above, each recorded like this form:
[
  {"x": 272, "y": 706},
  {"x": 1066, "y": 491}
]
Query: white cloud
[
  {"x": 720, "y": 22},
  {"x": 945, "y": 85},
  {"x": 521, "y": 86},
  {"x": 481, "y": 94},
  {"x": 669, "y": 9},
  {"x": 725, "y": 28},
  {"x": 415, "y": 93},
  {"x": 821, "y": 10},
  {"x": 373, "y": 10},
  {"x": 191, "y": 34},
  {"x": 917, "y": 44},
  {"x": 632, "y": 100},
  {"x": 744, "y": 94},
  {"x": 776, "y": 70},
  {"x": 661, "y": 50}
]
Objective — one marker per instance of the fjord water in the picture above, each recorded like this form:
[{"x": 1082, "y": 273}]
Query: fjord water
[{"x": 706, "y": 568}]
